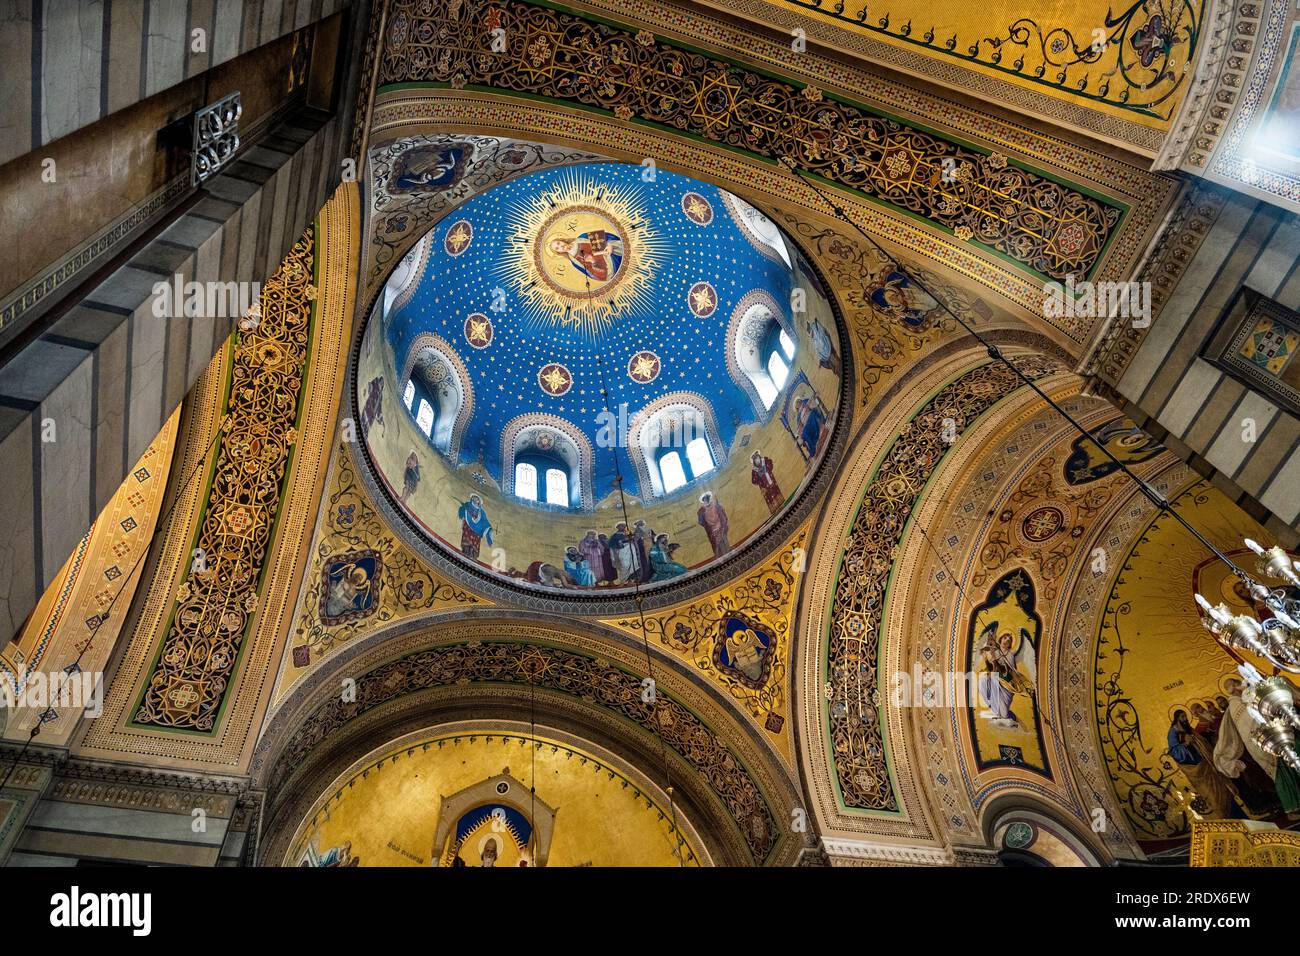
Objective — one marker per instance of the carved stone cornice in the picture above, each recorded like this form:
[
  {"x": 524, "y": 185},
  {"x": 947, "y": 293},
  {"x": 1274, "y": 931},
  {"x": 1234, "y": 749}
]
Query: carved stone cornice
[
  {"x": 842, "y": 852},
  {"x": 1195, "y": 107}
]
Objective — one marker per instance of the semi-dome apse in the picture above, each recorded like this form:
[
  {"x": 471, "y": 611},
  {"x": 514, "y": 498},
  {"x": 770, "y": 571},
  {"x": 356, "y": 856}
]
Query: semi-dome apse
[{"x": 598, "y": 378}]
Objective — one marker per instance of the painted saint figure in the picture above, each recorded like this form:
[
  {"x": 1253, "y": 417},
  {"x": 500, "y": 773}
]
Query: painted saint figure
[
  {"x": 474, "y": 527},
  {"x": 714, "y": 521},
  {"x": 374, "y": 407},
  {"x": 338, "y": 856},
  {"x": 766, "y": 481},
  {"x": 1190, "y": 752},
  {"x": 827, "y": 355},
  {"x": 642, "y": 541},
  {"x": 597, "y": 556},
  {"x": 577, "y": 568},
  {"x": 596, "y": 254},
  {"x": 1236, "y": 754},
  {"x": 623, "y": 552},
  {"x": 810, "y": 421},
  {"x": 411, "y": 476},
  {"x": 1004, "y": 671},
  {"x": 661, "y": 560}
]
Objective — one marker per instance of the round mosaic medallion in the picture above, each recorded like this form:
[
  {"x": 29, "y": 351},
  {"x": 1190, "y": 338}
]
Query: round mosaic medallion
[
  {"x": 554, "y": 379},
  {"x": 458, "y": 238},
  {"x": 478, "y": 330},
  {"x": 703, "y": 299}
]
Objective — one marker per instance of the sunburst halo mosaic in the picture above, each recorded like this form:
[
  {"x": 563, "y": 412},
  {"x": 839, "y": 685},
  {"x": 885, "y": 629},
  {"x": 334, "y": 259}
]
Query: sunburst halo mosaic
[{"x": 581, "y": 253}]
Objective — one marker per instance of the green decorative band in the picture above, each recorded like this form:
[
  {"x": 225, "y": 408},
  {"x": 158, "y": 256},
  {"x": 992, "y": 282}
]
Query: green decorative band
[{"x": 1051, "y": 229}]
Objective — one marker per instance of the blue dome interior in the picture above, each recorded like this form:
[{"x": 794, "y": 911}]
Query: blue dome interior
[{"x": 675, "y": 254}]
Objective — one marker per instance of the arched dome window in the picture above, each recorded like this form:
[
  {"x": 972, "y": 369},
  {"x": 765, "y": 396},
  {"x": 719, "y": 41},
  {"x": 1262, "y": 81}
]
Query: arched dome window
[
  {"x": 760, "y": 349},
  {"x": 405, "y": 278},
  {"x": 673, "y": 442},
  {"x": 425, "y": 417},
  {"x": 436, "y": 392},
  {"x": 557, "y": 487},
  {"x": 699, "y": 457},
  {"x": 526, "y": 481},
  {"x": 671, "y": 473},
  {"x": 547, "y": 460}
]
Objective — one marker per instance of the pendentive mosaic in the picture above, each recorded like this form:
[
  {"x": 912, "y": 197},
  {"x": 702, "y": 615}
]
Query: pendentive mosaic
[
  {"x": 360, "y": 575},
  {"x": 740, "y": 635}
]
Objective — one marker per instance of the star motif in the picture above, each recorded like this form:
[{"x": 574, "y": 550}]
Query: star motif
[
  {"x": 702, "y": 299},
  {"x": 644, "y": 367},
  {"x": 554, "y": 379}
]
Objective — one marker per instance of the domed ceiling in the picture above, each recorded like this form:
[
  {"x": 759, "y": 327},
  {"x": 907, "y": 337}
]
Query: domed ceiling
[{"x": 599, "y": 378}]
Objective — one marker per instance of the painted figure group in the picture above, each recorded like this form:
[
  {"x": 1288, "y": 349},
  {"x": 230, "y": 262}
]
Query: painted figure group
[{"x": 1211, "y": 743}]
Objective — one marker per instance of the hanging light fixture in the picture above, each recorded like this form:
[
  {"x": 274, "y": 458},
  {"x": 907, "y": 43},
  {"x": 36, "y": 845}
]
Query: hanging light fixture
[{"x": 1270, "y": 701}]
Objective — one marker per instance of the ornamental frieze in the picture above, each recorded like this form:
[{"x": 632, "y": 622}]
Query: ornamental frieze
[
  {"x": 1052, "y": 229},
  {"x": 218, "y": 597}
]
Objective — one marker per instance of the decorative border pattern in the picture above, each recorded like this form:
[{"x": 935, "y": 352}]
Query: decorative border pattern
[
  {"x": 940, "y": 72},
  {"x": 1057, "y": 232},
  {"x": 219, "y": 595}
]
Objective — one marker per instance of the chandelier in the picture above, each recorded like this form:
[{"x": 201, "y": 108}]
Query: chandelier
[{"x": 1270, "y": 701}]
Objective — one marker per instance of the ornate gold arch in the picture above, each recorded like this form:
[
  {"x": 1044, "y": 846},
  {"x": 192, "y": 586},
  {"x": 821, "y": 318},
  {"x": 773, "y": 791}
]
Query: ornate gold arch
[{"x": 575, "y": 677}]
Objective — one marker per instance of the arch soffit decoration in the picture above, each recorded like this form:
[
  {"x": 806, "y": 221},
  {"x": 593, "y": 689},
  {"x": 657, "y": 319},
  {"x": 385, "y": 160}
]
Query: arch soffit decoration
[
  {"x": 933, "y": 618},
  {"x": 914, "y": 818},
  {"x": 312, "y": 736},
  {"x": 1008, "y": 809},
  {"x": 1143, "y": 194}
]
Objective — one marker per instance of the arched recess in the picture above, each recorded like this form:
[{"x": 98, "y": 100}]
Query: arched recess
[
  {"x": 1025, "y": 832},
  {"x": 566, "y": 676},
  {"x": 756, "y": 316},
  {"x": 446, "y": 383},
  {"x": 406, "y": 278},
  {"x": 858, "y": 540},
  {"x": 556, "y": 438},
  {"x": 670, "y": 423}
]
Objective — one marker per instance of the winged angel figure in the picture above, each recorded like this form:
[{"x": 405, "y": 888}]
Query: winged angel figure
[{"x": 1008, "y": 666}]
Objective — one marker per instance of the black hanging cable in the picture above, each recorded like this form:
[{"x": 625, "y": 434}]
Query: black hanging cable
[
  {"x": 994, "y": 352},
  {"x": 636, "y": 597}
]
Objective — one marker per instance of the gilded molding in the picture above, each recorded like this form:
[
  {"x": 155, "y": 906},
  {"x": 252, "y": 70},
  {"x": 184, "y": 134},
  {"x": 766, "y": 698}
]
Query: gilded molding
[{"x": 968, "y": 193}]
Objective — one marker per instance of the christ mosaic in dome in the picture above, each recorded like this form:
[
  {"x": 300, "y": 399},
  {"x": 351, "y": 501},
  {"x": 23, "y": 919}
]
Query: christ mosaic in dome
[{"x": 598, "y": 378}]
